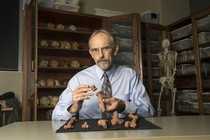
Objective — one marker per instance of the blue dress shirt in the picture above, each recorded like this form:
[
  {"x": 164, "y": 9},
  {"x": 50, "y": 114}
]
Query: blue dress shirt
[{"x": 125, "y": 86}]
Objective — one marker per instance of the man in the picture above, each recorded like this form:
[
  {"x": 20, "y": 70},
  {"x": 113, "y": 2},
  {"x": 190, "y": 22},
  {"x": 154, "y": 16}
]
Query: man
[{"x": 128, "y": 93}]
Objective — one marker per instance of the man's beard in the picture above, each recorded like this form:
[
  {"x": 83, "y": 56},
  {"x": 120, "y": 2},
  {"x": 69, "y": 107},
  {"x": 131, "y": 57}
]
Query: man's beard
[{"x": 103, "y": 64}]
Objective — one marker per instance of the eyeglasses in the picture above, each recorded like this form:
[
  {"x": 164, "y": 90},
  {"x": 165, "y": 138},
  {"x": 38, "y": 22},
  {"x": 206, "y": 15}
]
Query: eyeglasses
[{"x": 95, "y": 51}]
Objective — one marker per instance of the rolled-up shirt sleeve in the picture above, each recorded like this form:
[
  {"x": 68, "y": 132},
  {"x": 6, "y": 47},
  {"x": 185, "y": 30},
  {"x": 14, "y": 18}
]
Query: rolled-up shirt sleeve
[
  {"x": 139, "y": 100},
  {"x": 60, "y": 111}
]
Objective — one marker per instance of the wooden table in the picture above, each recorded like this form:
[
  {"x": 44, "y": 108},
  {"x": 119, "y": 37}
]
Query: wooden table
[{"x": 174, "y": 128}]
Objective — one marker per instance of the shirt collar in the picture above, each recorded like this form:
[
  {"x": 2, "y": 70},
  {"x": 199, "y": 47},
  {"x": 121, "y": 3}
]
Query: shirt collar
[{"x": 100, "y": 72}]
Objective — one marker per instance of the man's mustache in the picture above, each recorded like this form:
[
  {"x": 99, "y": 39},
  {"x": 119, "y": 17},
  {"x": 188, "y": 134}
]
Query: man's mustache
[{"x": 102, "y": 60}]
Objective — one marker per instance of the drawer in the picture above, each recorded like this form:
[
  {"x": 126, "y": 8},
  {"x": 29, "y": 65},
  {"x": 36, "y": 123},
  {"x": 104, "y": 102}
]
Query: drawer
[
  {"x": 181, "y": 32},
  {"x": 124, "y": 42},
  {"x": 204, "y": 24},
  {"x": 182, "y": 44},
  {"x": 204, "y": 37}
]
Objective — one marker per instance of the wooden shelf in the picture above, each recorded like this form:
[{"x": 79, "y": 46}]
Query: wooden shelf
[
  {"x": 45, "y": 107},
  {"x": 85, "y": 24},
  {"x": 54, "y": 87}
]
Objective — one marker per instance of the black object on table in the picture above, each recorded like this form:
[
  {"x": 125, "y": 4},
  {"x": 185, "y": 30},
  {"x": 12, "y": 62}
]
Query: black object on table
[{"x": 93, "y": 123}]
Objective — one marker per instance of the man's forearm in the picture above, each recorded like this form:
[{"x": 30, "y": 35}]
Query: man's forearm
[{"x": 74, "y": 108}]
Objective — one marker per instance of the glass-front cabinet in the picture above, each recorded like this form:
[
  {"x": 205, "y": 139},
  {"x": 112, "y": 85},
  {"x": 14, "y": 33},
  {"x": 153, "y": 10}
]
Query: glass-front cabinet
[
  {"x": 125, "y": 29},
  {"x": 191, "y": 39},
  {"x": 151, "y": 36}
]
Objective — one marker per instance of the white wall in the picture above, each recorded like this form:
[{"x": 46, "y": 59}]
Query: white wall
[
  {"x": 173, "y": 10},
  {"x": 11, "y": 81},
  {"x": 170, "y": 10},
  {"x": 88, "y": 6}
]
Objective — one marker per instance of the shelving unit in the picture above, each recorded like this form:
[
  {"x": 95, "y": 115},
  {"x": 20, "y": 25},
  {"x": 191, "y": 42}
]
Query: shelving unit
[
  {"x": 61, "y": 52},
  {"x": 192, "y": 80}
]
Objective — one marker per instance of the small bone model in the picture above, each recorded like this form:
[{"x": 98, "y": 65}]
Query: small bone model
[
  {"x": 133, "y": 122},
  {"x": 70, "y": 123},
  {"x": 103, "y": 123},
  {"x": 93, "y": 88},
  {"x": 85, "y": 125},
  {"x": 101, "y": 103},
  {"x": 116, "y": 120}
]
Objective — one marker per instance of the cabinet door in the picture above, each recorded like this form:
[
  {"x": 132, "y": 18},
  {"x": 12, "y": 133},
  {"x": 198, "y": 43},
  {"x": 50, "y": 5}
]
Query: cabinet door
[
  {"x": 152, "y": 36},
  {"x": 182, "y": 43},
  {"x": 126, "y": 31},
  {"x": 201, "y": 42}
]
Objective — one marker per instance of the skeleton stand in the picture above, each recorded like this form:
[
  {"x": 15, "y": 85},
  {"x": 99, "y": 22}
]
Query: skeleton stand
[{"x": 168, "y": 64}]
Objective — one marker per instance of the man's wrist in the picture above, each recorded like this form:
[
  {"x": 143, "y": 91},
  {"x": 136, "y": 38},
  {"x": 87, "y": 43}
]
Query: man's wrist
[
  {"x": 74, "y": 108},
  {"x": 122, "y": 106}
]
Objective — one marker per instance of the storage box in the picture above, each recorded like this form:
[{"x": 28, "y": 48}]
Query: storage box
[
  {"x": 205, "y": 68},
  {"x": 182, "y": 44},
  {"x": 46, "y": 3},
  {"x": 181, "y": 32},
  {"x": 66, "y": 7},
  {"x": 194, "y": 106},
  {"x": 124, "y": 42},
  {"x": 204, "y": 24},
  {"x": 156, "y": 84},
  {"x": 188, "y": 69},
  {"x": 207, "y": 107},
  {"x": 150, "y": 17},
  {"x": 207, "y": 49},
  {"x": 155, "y": 60},
  {"x": 155, "y": 72},
  {"x": 204, "y": 37},
  {"x": 72, "y": 2},
  {"x": 124, "y": 58},
  {"x": 179, "y": 70},
  {"x": 122, "y": 31},
  {"x": 181, "y": 57},
  {"x": 185, "y": 56},
  {"x": 189, "y": 55},
  {"x": 185, "y": 69},
  {"x": 183, "y": 105},
  {"x": 153, "y": 46},
  {"x": 106, "y": 12},
  {"x": 202, "y": 52},
  {"x": 187, "y": 95},
  {"x": 153, "y": 35}
]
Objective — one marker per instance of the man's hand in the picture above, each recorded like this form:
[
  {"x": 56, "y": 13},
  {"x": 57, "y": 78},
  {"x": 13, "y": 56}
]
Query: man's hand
[
  {"x": 114, "y": 104},
  {"x": 81, "y": 93}
]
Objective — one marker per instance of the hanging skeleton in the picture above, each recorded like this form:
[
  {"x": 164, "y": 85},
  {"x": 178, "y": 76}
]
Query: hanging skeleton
[{"x": 168, "y": 65}]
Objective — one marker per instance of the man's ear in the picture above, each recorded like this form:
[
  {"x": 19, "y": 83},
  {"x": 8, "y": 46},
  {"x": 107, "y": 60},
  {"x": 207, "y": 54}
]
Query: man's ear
[
  {"x": 90, "y": 54},
  {"x": 116, "y": 50}
]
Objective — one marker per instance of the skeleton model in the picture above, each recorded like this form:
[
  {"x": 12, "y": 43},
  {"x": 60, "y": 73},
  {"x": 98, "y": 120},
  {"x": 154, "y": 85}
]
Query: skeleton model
[{"x": 168, "y": 64}]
